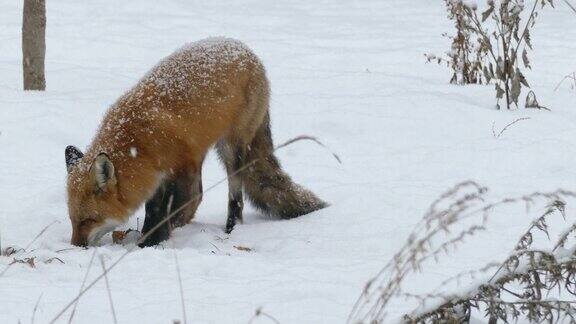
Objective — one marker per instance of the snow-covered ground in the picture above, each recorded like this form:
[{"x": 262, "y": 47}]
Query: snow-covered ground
[{"x": 351, "y": 73}]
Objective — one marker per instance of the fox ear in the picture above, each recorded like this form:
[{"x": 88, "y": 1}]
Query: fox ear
[
  {"x": 103, "y": 174},
  {"x": 73, "y": 156}
]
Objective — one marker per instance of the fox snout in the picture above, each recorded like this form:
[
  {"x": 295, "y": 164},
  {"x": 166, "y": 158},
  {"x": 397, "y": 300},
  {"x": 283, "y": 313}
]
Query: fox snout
[
  {"x": 83, "y": 235},
  {"x": 79, "y": 236},
  {"x": 79, "y": 240}
]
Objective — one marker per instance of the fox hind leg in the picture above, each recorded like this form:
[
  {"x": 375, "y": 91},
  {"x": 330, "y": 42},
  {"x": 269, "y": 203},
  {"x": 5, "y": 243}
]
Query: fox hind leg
[
  {"x": 233, "y": 157},
  {"x": 188, "y": 197}
]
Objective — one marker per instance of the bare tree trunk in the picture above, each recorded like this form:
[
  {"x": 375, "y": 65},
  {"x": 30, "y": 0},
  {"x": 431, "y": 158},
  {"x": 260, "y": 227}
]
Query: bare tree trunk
[{"x": 34, "y": 44}]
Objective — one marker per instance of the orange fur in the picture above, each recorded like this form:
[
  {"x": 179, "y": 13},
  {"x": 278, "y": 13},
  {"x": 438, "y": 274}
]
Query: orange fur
[{"x": 208, "y": 91}]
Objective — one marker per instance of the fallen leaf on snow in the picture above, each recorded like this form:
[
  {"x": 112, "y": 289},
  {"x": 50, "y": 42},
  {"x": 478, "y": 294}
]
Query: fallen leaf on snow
[
  {"x": 28, "y": 261},
  {"x": 242, "y": 248}
]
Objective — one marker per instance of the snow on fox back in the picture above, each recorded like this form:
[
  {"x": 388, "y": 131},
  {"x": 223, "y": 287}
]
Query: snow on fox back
[
  {"x": 202, "y": 58},
  {"x": 196, "y": 79}
]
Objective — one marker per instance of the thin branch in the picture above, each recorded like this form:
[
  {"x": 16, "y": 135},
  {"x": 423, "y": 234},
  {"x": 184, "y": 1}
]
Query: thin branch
[
  {"x": 483, "y": 34},
  {"x": 177, "y": 264},
  {"x": 260, "y": 313},
  {"x": 180, "y": 286},
  {"x": 514, "y": 54},
  {"x": 569, "y": 76},
  {"x": 570, "y": 5},
  {"x": 506, "y": 127},
  {"x": 30, "y": 244},
  {"x": 36, "y": 308},
  {"x": 309, "y": 138},
  {"x": 108, "y": 289},
  {"x": 40, "y": 234},
  {"x": 82, "y": 286}
]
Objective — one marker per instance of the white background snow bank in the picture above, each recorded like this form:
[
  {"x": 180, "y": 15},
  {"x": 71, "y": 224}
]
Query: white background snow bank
[{"x": 350, "y": 73}]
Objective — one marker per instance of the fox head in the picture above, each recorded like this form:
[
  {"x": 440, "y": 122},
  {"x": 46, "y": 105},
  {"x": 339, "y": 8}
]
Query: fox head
[{"x": 94, "y": 204}]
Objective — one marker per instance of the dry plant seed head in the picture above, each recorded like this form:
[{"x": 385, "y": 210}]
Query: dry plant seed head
[
  {"x": 492, "y": 47},
  {"x": 440, "y": 218},
  {"x": 466, "y": 56},
  {"x": 520, "y": 285}
]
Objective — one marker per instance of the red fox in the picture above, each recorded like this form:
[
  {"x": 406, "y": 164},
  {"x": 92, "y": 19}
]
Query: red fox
[{"x": 152, "y": 142}]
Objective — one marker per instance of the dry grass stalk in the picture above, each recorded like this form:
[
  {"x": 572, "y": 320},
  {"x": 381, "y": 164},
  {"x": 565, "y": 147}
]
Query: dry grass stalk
[
  {"x": 108, "y": 290},
  {"x": 36, "y": 308},
  {"x": 436, "y": 233},
  {"x": 81, "y": 287},
  {"x": 571, "y": 79},
  {"x": 28, "y": 245},
  {"x": 492, "y": 46},
  {"x": 465, "y": 58},
  {"x": 177, "y": 264},
  {"x": 521, "y": 287},
  {"x": 506, "y": 127},
  {"x": 260, "y": 313}
]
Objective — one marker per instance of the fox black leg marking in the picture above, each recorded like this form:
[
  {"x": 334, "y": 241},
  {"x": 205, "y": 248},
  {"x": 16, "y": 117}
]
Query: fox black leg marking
[
  {"x": 181, "y": 193},
  {"x": 169, "y": 198},
  {"x": 235, "y": 199},
  {"x": 156, "y": 212}
]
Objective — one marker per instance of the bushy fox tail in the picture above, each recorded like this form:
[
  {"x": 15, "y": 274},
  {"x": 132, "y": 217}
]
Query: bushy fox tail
[{"x": 268, "y": 187}]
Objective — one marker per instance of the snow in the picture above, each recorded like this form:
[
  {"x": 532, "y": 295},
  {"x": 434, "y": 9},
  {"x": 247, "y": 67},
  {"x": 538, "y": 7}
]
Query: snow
[
  {"x": 352, "y": 74},
  {"x": 472, "y": 4}
]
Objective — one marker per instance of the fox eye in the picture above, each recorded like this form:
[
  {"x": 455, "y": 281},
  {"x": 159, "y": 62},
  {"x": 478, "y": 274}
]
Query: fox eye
[{"x": 87, "y": 221}]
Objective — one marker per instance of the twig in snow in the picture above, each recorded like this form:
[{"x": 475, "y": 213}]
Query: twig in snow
[
  {"x": 214, "y": 245},
  {"x": 54, "y": 259},
  {"x": 569, "y": 76},
  {"x": 309, "y": 138},
  {"x": 506, "y": 127},
  {"x": 30, "y": 244},
  {"x": 177, "y": 264},
  {"x": 259, "y": 313},
  {"x": 180, "y": 285},
  {"x": 40, "y": 234},
  {"x": 68, "y": 249},
  {"x": 36, "y": 308},
  {"x": 81, "y": 287},
  {"x": 570, "y": 5},
  {"x": 108, "y": 289}
]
